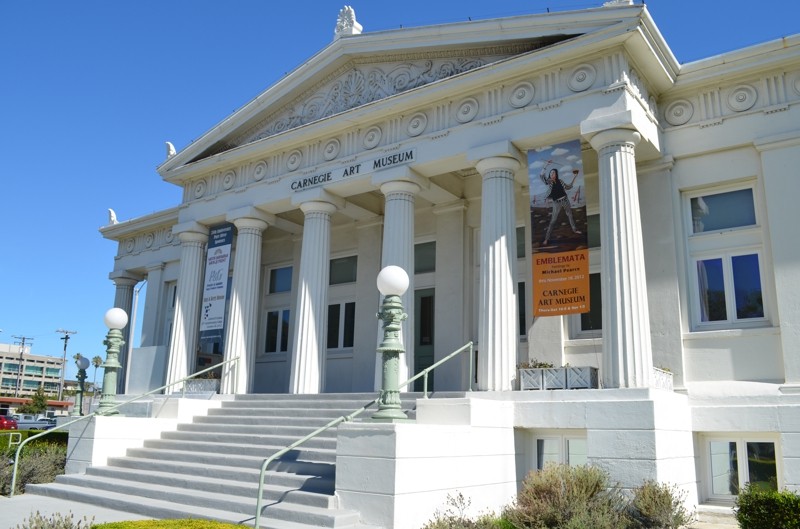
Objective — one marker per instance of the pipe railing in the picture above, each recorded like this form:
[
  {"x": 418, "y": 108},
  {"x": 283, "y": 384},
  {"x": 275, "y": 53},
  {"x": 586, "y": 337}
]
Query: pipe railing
[
  {"x": 106, "y": 412},
  {"x": 347, "y": 418}
]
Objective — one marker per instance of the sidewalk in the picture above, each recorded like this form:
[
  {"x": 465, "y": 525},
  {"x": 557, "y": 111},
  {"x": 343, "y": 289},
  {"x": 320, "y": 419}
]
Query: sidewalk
[{"x": 14, "y": 511}]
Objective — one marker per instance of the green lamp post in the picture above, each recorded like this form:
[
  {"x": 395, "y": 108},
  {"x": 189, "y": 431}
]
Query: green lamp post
[
  {"x": 83, "y": 363},
  {"x": 115, "y": 319},
  {"x": 392, "y": 283}
]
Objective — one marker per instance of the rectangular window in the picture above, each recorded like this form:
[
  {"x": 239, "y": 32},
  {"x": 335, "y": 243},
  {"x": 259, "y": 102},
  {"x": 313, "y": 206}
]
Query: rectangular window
[
  {"x": 277, "y": 331},
  {"x": 34, "y": 370},
  {"x": 52, "y": 372},
  {"x": 593, "y": 230},
  {"x": 280, "y": 280},
  {"x": 735, "y": 462},
  {"x": 521, "y": 242},
  {"x": 343, "y": 270},
  {"x": 9, "y": 383},
  {"x": 521, "y": 306},
  {"x": 341, "y": 325},
  {"x": 593, "y": 320},
  {"x": 569, "y": 449},
  {"x": 11, "y": 368},
  {"x": 725, "y": 243},
  {"x": 425, "y": 257}
]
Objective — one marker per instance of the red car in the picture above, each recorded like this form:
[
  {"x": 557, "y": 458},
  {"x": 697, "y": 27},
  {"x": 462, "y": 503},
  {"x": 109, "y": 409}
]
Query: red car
[{"x": 7, "y": 423}]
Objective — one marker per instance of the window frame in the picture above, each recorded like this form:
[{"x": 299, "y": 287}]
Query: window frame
[
  {"x": 724, "y": 244},
  {"x": 743, "y": 471}
]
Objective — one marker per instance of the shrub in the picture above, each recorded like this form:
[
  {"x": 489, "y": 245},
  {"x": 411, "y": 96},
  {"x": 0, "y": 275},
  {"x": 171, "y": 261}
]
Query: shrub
[
  {"x": 564, "y": 497},
  {"x": 455, "y": 517},
  {"x": 658, "y": 506},
  {"x": 56, "y": 521},
  {"x": 169, "y": 524},
  {"x": 759, "y": 508},
  {"x": 39, "y": 463}
]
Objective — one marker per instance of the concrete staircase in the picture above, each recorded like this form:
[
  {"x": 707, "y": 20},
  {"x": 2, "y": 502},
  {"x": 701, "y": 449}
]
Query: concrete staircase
[{"x": 209, "y": 468}]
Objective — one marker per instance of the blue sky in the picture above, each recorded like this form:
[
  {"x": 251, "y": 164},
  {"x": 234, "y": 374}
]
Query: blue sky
[{"x": 90, "y": 91}]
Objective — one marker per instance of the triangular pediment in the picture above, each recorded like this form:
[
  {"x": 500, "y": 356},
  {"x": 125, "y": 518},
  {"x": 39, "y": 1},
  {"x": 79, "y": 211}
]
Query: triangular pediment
[{"x": 361, "y": 69}]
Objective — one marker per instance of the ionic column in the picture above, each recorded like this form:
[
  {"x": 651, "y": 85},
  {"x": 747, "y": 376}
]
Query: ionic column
[
  {"x": 398, "y": 250},
  {"x": 186, "y": 319},
  {"x": 627, "y": 353},
  {"x": 497, "y": 316},
  {"x": 152, "y": 303},
  {"x": 123, "y": 299},
  {"x": 308, "y": 350},
  {"x": 242, "y": 328}
]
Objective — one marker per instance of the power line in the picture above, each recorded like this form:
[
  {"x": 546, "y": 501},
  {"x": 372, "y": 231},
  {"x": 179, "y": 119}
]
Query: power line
[
  {"x": 64, "y": 360},
  {"x": 21, "y": 343}
]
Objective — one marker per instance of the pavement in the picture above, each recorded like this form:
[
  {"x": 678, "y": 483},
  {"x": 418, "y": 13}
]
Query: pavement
[{"x": 17, "y": 510}]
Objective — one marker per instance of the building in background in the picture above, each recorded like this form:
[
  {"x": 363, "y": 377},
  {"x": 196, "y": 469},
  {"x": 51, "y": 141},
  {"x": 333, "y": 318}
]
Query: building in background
[
  {"x": 24, "y": 373},
  {"x": 409, "y": 147}
]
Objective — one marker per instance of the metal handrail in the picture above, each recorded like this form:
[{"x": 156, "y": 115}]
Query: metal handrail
[
  {"x": 348, "y": 418},
  {"x": 106, "y": 412}
]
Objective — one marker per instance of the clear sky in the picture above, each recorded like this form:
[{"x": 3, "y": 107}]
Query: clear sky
[{"x": 91, "y": 89}]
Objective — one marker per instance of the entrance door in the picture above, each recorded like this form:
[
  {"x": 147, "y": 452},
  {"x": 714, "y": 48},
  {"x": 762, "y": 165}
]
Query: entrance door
[{"x": 423, "y": 335}]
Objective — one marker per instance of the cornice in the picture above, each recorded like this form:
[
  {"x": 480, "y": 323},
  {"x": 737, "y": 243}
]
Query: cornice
[{"x": 127, "y": 228}]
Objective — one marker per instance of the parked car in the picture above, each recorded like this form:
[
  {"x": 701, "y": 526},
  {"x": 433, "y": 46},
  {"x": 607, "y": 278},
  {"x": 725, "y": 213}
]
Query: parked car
[
  {"x": 7, "y": 423},
  {"x": 33, "y": 422}
]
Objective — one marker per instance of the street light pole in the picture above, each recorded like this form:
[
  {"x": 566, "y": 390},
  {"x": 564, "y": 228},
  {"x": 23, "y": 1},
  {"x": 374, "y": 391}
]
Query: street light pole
[
  {"x": 115, "y": 319},
  {"x": 64, "y": 360},
  {"x": 19, "y": 367}
]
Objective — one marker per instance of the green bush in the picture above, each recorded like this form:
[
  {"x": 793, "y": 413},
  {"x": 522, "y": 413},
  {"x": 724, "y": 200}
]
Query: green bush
[
  {"x": 564, "y": 497},
  {"x": 56, "y": 521},
  {"x": 658, "y": 506},
  {"x": 759, "y": 508},
  {"x": 39, "y": 463}
]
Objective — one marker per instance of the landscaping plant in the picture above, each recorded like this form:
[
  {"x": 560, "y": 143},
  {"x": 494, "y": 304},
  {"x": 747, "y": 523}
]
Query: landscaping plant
[{"x": 760, "y": 508}]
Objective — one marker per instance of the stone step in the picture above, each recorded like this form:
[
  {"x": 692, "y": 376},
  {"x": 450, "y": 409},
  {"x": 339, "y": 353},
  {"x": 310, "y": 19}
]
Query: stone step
[
  {"x": 308, "y": 492},
  {"x": 250, "y": 439},
  {"x": 294, "y": 432},
  {"x": 306, "y": 452}
]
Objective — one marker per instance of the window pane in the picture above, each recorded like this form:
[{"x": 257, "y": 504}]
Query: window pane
[
  {"x": 521, "y": 242},
  {"x": 272, "y": 332},
  {"x": 285, "y": 330},
  {"x": 761, "y": 466},
  {"x": 333, "y": 326},
  {"x": 546, "y": 452},
  {"x": 576, "y": 452},
  {"x": 280, "y": 280},
  {"x": 343, "y": 270},
  {"x": 593, "y": 227},
  {"x": 349, "y": 324},
  {"x": 521, "y": 306},
  {"x": 747, "y": 286},
  {"x": 723, "y": 211},
  {"x": 724, "y": 468},
  {"x": 593, "y": 320},
  {"x": 425, "y": 257},
  {"x": 711, "y": 284}
]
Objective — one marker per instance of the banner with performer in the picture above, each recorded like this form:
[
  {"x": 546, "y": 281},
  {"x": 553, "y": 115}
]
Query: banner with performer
[{"x": 558, "y": 230}]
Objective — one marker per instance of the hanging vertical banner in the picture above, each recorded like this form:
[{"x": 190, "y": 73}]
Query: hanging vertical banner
[
  {"x": 558, "y": 230},
  {"x": 215, "y": 286}
]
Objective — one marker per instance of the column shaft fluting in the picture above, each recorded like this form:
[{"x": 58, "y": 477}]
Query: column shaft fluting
[
  {"x": 242, "y": 327},
  {"x": 186, "y": 319},
  {"x": 497, "y": 313},
  {"x": 309, "y": 348},
  {"x": 398, "y": 250},
  {"x": 152, "y": 301},
  {"x": 123, "y": 299},
  {"x": 627, "y": 354}
]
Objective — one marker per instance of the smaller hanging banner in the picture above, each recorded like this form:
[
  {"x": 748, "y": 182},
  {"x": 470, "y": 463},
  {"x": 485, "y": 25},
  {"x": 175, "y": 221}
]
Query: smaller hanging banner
[
  {"x": 558, "y": 230},
  {"x": 215, "y": 286}
]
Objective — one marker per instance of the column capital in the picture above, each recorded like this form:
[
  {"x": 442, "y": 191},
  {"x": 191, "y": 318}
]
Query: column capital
[
  {"x": 494, "y": 163},
  {"x": 317, "y": 194},
  {"x": 607, "y": 137},
  {"x": 400, "y": 186},
  {"x": 124, "y": 278},
  {"x": 318, "y": 206},
  {"x": 155, "y": 267},
  {"x": 502, "y": 149},
  {"x": 190, "y": 227},
  {"x": 250, "y": 217}
]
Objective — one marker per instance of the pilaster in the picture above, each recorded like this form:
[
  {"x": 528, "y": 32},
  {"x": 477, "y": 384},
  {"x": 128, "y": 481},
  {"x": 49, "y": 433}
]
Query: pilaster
[
  {"x": 123, "y": 299},
  {"x": 152, "y": 304},
  {"x": 309, "y": 349}
]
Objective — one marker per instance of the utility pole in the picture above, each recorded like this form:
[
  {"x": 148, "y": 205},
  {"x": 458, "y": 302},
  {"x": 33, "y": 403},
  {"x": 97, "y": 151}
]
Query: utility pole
[
  {"x": 21, "y": 343},
  {"x": 64, "y": 361}
]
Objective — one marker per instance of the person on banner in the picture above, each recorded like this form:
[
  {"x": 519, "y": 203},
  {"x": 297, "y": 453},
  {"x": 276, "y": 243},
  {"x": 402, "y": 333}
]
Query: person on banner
[{"x": 558, "y": 195}]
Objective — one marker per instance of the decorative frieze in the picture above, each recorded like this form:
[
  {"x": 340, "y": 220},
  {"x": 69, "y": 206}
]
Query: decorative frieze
[{"x": 147, "y": 241}]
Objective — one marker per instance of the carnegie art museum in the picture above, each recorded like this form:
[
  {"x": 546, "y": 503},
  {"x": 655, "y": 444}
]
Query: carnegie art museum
[{"x": 432, "y": 149}]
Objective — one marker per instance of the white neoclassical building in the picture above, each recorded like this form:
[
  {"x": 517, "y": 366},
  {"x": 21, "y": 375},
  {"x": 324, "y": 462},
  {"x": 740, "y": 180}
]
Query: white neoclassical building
[{"x": 409, "y": 147}]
